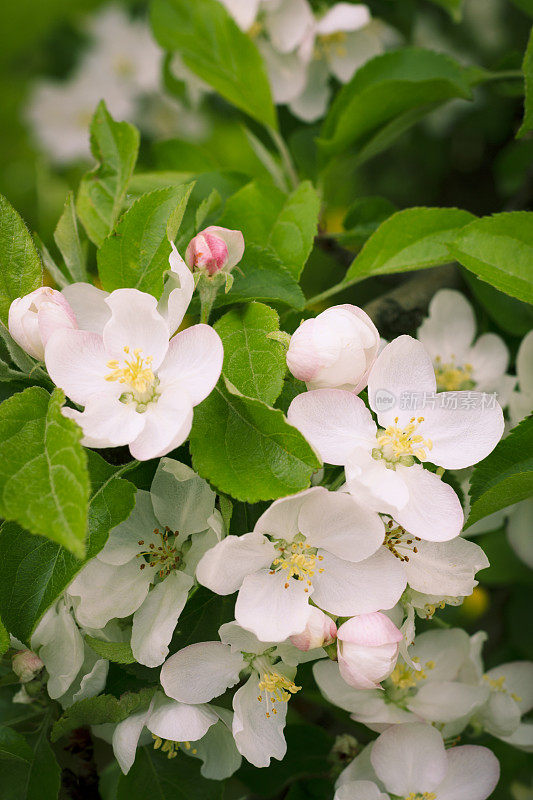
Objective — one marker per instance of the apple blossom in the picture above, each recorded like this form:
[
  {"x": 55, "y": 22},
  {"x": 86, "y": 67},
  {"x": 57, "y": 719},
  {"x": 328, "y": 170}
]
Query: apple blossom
[
  {"x": 315, "y": 543},
  {"x": 34, "y": 318},
  {"x": 458, "y": 363},
  {"x": 410, "y": 761},
  {"x": 147, "y": 565},
  {"x": 336, "y": 349},
  {"x": 215, "y": 250},
  {"x": 367, "y": 649},
  {"x": 26, "y": 665},
  {"x": 319, "y": 631},
  {"x": 382, "y": 465},
  {"x": 521, "y": 401}
]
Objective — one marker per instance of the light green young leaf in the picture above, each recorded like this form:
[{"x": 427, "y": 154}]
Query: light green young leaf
[
  {"x": 248, "y": 450},
  {"x": 499, "y": 250},
  {"x": 136, "y": 253},
  {"x": 206, "y": 207},
  {"x": 20, "y": 266},
  {"x": 67, "y": 238},
  {"x": 44, "y": 484},
  {"x": 36, "y": 571},
  {"x": 154, "y": 775},
  {"x": 99, "y": 710},
  {"x": 49, "y": 264},
  {"x": 527, "y": 69},
  {"x": 252, "y": 362},
  {"x": 102, "y": 191},
  {"x": 386, "y": 88},
  {"x": 117, "y": 652},
  {"x": 415, "y": 238},
  {"x": 506, "y": 476},
  {"x": 214, "y": 48}
]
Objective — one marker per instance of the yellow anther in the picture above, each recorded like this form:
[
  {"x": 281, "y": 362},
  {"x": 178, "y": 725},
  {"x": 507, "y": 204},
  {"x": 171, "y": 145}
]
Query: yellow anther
[
  {"x": 396, "y": 442},
  {"x": 277, "y": 687},
  {"x": 136, "y": 373},
  {"x": 452, "y": 377},
  {"x": 170, "y": 747},
  {"x": 296, "y": 560}
]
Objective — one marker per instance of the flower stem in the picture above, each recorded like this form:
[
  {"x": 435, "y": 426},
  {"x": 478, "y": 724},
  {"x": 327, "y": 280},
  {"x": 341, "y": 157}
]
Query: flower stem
[{"x": 286, "y": 157}]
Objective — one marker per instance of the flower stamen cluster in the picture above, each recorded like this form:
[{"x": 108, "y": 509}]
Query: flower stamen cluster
[
  {"x": 401, "y": 445},
  {"x": 170, "y": 747},
  {"x": 497, "y": 685},
  {"x": 276, "y": 687},
  {"x": 298, "y": 559},
  {"x": 396, "y": 537},
  {"x": 452, "y": 377},
  {"x": 403, "y": 677},
  {"x": 166, "y": 557}
]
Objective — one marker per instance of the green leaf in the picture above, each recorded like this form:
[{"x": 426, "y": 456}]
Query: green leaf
[
  {"x": 506, "y": 569},
  {"x": 527, "y": 69},
  {"x": 99, "y": 710},
  {"x": 415, "y": 238},
  {"x": 154, "y": 775},
  {"x": 201, "y": 618},
  {"x": 13, "y": 745},
  {"x": 136, "y": 253},
  {"x": 212, "y": 46},
  {"x": 32, "y": 772},
  {"x": 453, "y": 7},
  {"x": 102, "y": 191},
  {"x": 261, "y": 276},
  {"x": 4, "y": 639},
  {"x": 499, "y": 250},
  {"x": 386, "y": 88},
  {"x": 248, "y": 450},
  {"x": 20, "y": 266},
  {"x": 510, "y": 314},
  {"x": 253, "y": 363},
  {"x": 363, "y": 217},
  {"x": 506, "y": 476},
  {"x": 44, "y": 483},
  {"x": 118, "y": 652},
  {"x": 268, "y": 217},
  {"x": 67, "y": 238},
  {"x": 35, "y": 571}
]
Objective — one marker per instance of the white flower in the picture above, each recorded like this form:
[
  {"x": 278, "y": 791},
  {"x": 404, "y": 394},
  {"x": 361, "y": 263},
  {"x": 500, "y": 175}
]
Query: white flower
[
  {"x": 448, "y": 335},
  {"x": 316, "y": 543},
  {"x": 319, "y": 631},
  {"x": 215, "y": 249},
  {"x": 146, "y": 567},
  {"x": 367, "y": 649},
  {"x": 200, "y": 672},
  {"x": 410, "y": 761},
  {"x": 381, "y": 465},
  {"x": 285, "y": 22},
  {"x": 26, "y": 665},
  {"x": 34, "y": 317},
  {"x": 137, "y": 387},
  {"x": 334, "y": 350},
  {"x": 521, "y": 402}
]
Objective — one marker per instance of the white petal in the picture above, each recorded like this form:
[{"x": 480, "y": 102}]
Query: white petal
[
  {"x": 287, "y": 73},
  {"x": 312, "y": 103},
  {"x": 258, "y": 737},
  {"x": 106, "y": 592},
  {"x": 200, "y": 672},
  {"x": 89, "y": 306},
  {"x": 225, "y": 566},
  {"x": 180, "y": 722},
  {"x": 343, "y": 17},
  {"x": 336, "y": 523},
  {"x": 167, "y": 424},
  {"x": 359, "y": 47},
  {"x": 217, "y": 749},
  {"x": 360, "y": 790},
  {"x": 334, "y": 421},
  {"x": 445, "y": 701},
  {"x": 360, "y": 769},
  {"x": 155, "y": 620},
  {"x": 270, "y": 608},
  {"x": 365, "y": 667},
  {"x": 409, "y": 758},
  {"x": 181, "y": 499},
  {"x": 345, "y": 588},
  {"x": 106, "y": 422},
  {"x": 449, "y": 342},
  {"x": 524, "y": 364},
  {"x": 472, "y": 774},
  {"x": 177, "y": 292},
  {"x": 519, "y": 531},
  {"x": 500, "y": 716},
  {"x": 77, "y": 363},
  {"x": 123, "y": 542},
  {"x": 434, "y": 511},
  {"x": 520, "y": 406},
  {"x": 194, "y": 361},
  {"x": 62, "y": 652},
  {"x": 447, "y": 568},
  {"x": 240, "y": 640},
  {"x": 522, "y": 738},
  {"x": 126, "y": 737},
  {"x": 373, "y": 485},
  {"x": 286, "y": 26},
  {"x": 445, "y": 651},
  {"x": 402, "y": 367},
  {"x": 243, "y": 12},
  {"x": 489, "y": 358},
  {"x": 518, "y": 681},
  {"x": 281, "y": 519},
  {"x": 135, "y": 323}
]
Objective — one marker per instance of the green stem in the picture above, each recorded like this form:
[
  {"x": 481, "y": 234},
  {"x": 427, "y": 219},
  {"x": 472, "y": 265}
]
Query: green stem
[
  {"x": 503, "y": 75},
  {"x": 285, "y": 156},
  {"x": 339, "y": 480},
  {"x": 338, "y": 287}
]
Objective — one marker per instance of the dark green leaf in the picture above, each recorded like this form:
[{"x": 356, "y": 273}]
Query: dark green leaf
[
  {"x": 155, "y": 776},
  {"x": 117, "y": 652},
  {"x": 30, "y": 770},
  {"x": 201, "y": 618},
  {"x": 13, "y": 745},
  {"x": 99, "y": 710},
  {"x": 363, "y": 217},
  {"x": 505, "y": 566},
  {"x": 453, "y": 7},
  {"x": 20, "y": 265},
  {"x": 67, "y": 238},
  {"x": 527, "y": 69},
  {"x": 510, "y": 314},
  {"x": 4, "y": 639},
  {"x": 262, "y": 276}
]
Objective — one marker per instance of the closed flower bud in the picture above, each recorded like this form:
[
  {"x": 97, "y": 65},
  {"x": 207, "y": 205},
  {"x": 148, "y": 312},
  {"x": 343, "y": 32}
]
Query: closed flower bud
[
  {"x": 34, "y": 317},
  {"x": 367, "y": 649},
  {"x": 26, "y": 665},
  {"x": 334, "y": 350},
  {"x": 319, "y": 631},
  {"x": 215, "y": 250}
]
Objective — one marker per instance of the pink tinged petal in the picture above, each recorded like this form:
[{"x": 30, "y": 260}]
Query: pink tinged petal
[
  {"x": 89, "y": 306},
  {"x": 446, "y": 701},
  {"x": 79, "y": 419},
  {"x": 336, "y": 523},
  {"x": 402, "y": 367},
  {"x": 343, "y": 17},
  {"x": 464, "y": 427},
  {"x": 54, "y": 316},
  {"x": 445, "y": 339},
  {"x": 135, "y": 323},
  {"x": 155, "y": 620},
  {"x": 224, "y": 568},
  {"x": 445, "y": 568},
  {"x": 334, "y": 421},
  {"x": 345, "y": 588},
  {"x": 177, "y": 292},
  {"x": 234, "y": 241},
  {"x": 194, "y": 361},
  {"x": 473, "y": 773},
  {"x": 281, "y": 519},
  {"x": 126, "y": 737},
  {"x": 166, "y": 424},
  {"x": 258, "y": 737},
  {"x": 34, "y": 317},
  {"x": 272, "y": 606},
  {"x": 320, "y": 630},
  {"x": 200, "y": 672},
  {"x": 179, "y": 722},
  {"x": 410, "y": 758},
  {"x": 106, "y": 422},
  {"x": 77, "y": 363},
  {"x": 365, "y": 667},
  {"x": 360, "y": 790},
  {"x": 369, "y": 630},
  {"x": 434, "y": 511}
]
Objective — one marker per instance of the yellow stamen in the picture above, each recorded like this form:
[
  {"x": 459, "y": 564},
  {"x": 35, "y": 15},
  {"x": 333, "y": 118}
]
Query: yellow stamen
[
  {"x": 137, "y": 372},
  {"x": 396, "y": 442},
  {"x": 452, "y": 377},
  {"x": 298, "y": 560},
  {"x": 170, "y": 747}
]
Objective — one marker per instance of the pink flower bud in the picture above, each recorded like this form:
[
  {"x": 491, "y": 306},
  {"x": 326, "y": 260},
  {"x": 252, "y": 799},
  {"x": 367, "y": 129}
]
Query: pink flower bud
[
  {"x": 214, "y": 250},
  {"x": 34, "y": 317},
  {"x": 335, "y": 350},
  {"x": 319, "y": 631},
  {"x": 367, "y": 649},
  {"x": 26, "y": 665}
]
